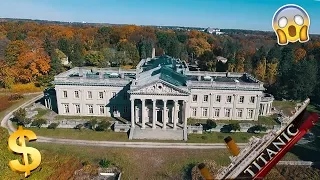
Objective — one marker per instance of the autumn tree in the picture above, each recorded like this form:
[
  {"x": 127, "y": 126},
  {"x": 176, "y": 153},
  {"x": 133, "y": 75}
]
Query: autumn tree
[
  {"x": 260, "y": 71},
  {"x": 94, "y": 58},
  {"x": 198, "y": 46},
  {"x": 299, "y": 54},
  {"x": 14, "y": 50},
  {"x": 129, "y": 51}
]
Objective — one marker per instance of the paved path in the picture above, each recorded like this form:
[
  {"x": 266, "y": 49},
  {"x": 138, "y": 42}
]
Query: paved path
[{"x": 6, "y": 123}]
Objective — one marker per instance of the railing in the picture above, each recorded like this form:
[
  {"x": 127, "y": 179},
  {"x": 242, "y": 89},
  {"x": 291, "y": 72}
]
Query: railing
[{"x": 224, "y": 84}]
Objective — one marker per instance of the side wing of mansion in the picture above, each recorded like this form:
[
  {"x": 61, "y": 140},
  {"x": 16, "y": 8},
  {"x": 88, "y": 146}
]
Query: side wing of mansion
[{"x": 161, "y": 91}]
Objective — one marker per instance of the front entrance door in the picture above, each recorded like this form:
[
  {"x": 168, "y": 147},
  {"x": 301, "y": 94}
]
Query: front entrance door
[{"x": 159, "y": 116}]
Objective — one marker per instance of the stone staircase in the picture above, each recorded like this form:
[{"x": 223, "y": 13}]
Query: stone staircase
[{"x": 158, "y": 133}]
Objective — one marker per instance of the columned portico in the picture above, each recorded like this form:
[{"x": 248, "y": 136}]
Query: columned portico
[{"x": 164, "y": 113}]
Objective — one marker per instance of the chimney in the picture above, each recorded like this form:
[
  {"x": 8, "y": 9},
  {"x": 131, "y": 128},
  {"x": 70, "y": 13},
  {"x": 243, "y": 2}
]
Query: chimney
[
  {"x": 232, "y": 146},
  {"x": 153, "y": 53}
]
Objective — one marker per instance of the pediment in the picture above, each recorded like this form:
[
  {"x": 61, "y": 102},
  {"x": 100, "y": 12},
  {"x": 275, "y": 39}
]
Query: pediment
[{"x": 159, "y": 88}]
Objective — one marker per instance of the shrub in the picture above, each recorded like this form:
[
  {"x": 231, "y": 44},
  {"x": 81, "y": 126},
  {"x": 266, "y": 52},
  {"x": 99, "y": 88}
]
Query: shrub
[
  {"x": 20, "y": 118},
  {"x": 29, "y": 87},
  {"x": 104, "y": 163},
  {"x": 256, "y": 128},
  {"x": 92, "y": 123},
  {"x": 53, "y": 125},
  {"x": 211, "y": 124},
  {"x": 235, "y": 126},
  {"x": 14, "y": 97},
  {"x": 79, "y": 126},
  {"x": 204, "y": 137},
  {"x": 226, "y": 128},
  {"x": 39, "y": 122},
  {"x": 103, "y": 125}
]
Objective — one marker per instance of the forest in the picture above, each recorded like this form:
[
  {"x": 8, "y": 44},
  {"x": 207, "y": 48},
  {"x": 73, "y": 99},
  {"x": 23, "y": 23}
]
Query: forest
[{"x": 31, "y": 54}]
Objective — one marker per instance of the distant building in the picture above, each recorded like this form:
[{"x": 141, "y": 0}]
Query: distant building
[{"x": 215, "y": 31}]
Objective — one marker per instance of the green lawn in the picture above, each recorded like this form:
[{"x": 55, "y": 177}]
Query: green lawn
[
  {"x": 217, "y": 137},
  {"x": 60, "y": 161},
  {"x": 41, "y": 112},
  {"x": 86, "y": 134},
  {"x": 285, "y": 106}
]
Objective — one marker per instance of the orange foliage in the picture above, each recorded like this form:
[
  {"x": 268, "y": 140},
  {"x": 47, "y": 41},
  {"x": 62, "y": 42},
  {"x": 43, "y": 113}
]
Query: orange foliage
[
  {"x": 24, "y": 88},
  {"x": 299, "y": 54}
]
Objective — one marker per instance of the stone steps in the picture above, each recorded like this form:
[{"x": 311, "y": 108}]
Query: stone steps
[{"x": 159, "y": 134}]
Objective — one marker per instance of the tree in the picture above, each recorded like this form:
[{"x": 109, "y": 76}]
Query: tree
[
  {"x": 103, "y": 126},
  {"x": 260, "y": 71},
  {"x": 94, "y": 58},
  {"x": 235, "y": 126},
  {"x": 198, "y": 46},
  {"x": 299, "y": 54},
  {"x": 76, "y": 56},
  {"x": 19, "y": 116},
  {"x": 129, "y": 51},
  {"x": 211, "y": 124},
  {"x": 271, "y": 73},
  {"x": 38, "y": 122},
  {"x": 13, "y": 50},
  {"x": 92, "y": 123}
]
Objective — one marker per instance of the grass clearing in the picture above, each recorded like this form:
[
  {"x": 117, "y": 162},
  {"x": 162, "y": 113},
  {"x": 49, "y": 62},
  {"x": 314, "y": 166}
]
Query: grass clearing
[
  {"x": 285, "y": 106},
  {"x": 218, "y": 137},
  {"x": 59, "y": 161},
  {"x": 41, "y": 112}
]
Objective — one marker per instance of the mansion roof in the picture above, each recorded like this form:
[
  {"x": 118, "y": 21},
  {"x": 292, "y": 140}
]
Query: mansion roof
[{"x": 164, "y": 69}]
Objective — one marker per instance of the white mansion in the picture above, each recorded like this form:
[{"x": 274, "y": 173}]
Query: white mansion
[{"x": 160, "y": 93}]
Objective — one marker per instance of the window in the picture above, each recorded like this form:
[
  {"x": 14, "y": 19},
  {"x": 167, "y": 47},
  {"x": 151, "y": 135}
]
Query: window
[
  {"x": 239, "y": 113},
  {"x": 100, "y": 95},
  {"x": 229, "y": 99},
  {"x": 216, "y": 112},
  {"x": 77, "y": 108},
  {"x": 125, "y": 109},
  {"x": 66, "y": 108},
  {"x": 241, "y": 99},
  {"x": 114, "y": 94},
  {"x": 125, "y": 96},
  {"x": 194, "y": 98},
  {"x": 89, "y": 94},
  {"x": 252, "y": 98},
  {"x": 204, "y": 112},
  {"x": 194, "y": 112},
  {"x": 76, "y": 94},
  {"x": 250, "y": 113},
  {"x": 90, "y": 109},
  {"x": 65, "y": 94},
  {"x": 114, "y": 108},
  {"x": 205, "y": 98},
  {"x": 101, "y": 109},
  {"x": 218, "y": 98},
  {"x": 227, "y": 112}
]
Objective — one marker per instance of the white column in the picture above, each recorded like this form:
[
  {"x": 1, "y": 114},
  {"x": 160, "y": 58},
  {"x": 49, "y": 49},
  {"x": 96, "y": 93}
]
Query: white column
[
  {"x": 132, "y": 113},
  {"x": 175, "y": 114},
  {"x": 143, "y": 114},
  {"x": 45, "y": 102},
  {"x": 211, "y": 107},
  {"x": 137, "y": 113},
  {"x": 154, "y": 101},
  {"x": 184, "y": 114},
  {"x": 235, "y": 99},
  {"x": 257, "y": 107},
  {"x": 165, "y": 117}
]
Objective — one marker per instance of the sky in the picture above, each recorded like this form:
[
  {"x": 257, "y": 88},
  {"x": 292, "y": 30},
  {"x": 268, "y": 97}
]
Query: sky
[{"x": 224, "y": 14}]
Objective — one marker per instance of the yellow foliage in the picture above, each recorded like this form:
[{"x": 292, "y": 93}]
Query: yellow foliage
[
  {"x": 29, "y": 87},
  {"x": 271, "y": 73},
  {"x": 260, "y": 71},
  {"x": 127, "y": 67}
]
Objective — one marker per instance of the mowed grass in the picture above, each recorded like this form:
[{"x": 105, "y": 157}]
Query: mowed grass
[
  {"x": 264, "y": 120},
  {"x": 60, "y": 161},
  {"x": 86, "y": 134},
  {"x": 285, "y": 106},
  {"x": 218, "y": 137}
]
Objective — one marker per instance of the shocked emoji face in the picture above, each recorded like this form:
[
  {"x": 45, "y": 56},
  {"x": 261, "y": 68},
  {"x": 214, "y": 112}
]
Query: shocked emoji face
[{"x": 291, "y": 23}]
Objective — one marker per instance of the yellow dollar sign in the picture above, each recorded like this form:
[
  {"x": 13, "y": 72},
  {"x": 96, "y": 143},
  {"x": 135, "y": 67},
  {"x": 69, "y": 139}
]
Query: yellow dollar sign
[{"x": 21, "y": 148}]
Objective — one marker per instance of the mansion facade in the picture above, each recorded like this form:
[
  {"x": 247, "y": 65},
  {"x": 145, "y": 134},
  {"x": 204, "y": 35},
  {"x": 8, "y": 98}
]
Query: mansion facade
[{"x": 160, "y": 93}]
